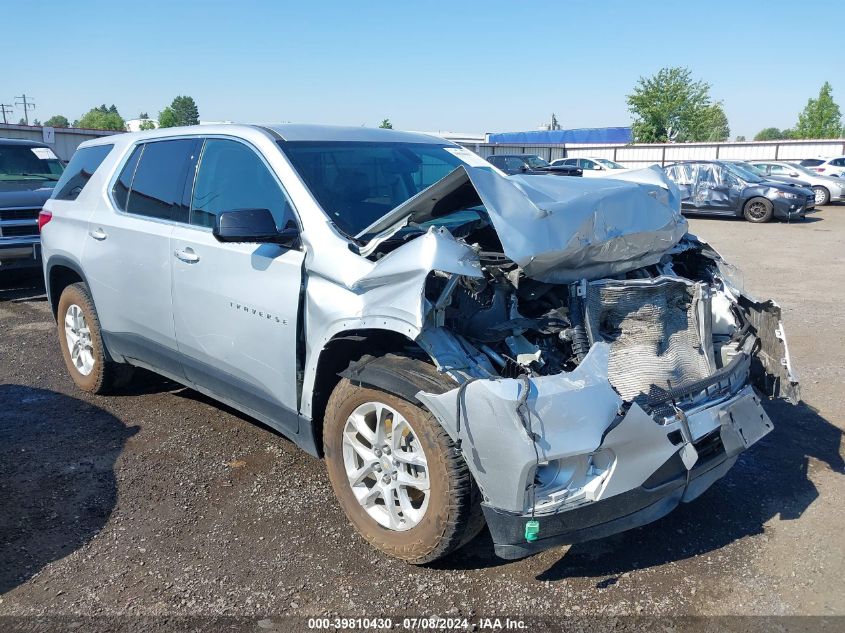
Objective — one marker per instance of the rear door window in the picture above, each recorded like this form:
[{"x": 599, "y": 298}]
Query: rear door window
[
  {"x": 232, "y": 176},
  {"x": 158, "y": 188},
  {"x": 82, "y": 166}
]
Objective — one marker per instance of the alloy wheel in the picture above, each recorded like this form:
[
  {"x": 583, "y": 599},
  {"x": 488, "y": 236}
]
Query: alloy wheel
[
  {"x": 757, "y": 210},
  {"x": 386, "y": 466},
  {"x": 78, "y": 337}
]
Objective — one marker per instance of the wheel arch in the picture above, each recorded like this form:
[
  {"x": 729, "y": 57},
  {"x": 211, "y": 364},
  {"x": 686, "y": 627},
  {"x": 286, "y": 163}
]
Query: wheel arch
[
  {"x": 61, "y": 273},
  {"x": 376, "y": 358}
]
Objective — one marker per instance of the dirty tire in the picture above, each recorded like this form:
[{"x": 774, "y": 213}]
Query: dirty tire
[
  {"x": 453, "y": 517},
  {"x": 822, "y": 195},
  {"x": 106, "y": 376},
  {"x": 758, "y": 210}
]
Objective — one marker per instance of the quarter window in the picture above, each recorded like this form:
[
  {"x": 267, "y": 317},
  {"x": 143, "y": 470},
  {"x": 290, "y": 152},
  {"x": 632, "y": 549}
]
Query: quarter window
[
  {"x": 124, "y": 181},
  {"x": 232, "y": 176},
  {"x": 79, "y": 171},
  {"x": 158, "y": 187}
]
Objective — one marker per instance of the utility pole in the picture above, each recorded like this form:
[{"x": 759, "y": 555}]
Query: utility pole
[
  {"x": 6, "y": 108},
  {"x": 27, "y": 105}
]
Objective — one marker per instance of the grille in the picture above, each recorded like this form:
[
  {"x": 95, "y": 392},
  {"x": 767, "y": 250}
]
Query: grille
[
  {"x": 18, "y": 231},
  {"x": 19, "y": 214},
  {"x": 654, "y": 334}
]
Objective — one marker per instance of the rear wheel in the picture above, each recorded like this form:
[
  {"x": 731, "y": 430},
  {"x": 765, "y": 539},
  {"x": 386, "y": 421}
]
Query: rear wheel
[
  {"x": 822, "y": 195},
  {"x": 758, "y": 210},
  {"x": 82, "y": 343},
  {"x": 397, "y": 475}
]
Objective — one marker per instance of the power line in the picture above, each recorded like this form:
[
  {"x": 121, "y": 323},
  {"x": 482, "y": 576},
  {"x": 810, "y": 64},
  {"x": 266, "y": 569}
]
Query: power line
[
  {"x": 27, "y": 105},
  {"x": 6, "y": 108}
]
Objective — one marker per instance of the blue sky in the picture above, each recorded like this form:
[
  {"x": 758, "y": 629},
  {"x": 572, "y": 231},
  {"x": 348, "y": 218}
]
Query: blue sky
[{"x": 460, "y": 66}]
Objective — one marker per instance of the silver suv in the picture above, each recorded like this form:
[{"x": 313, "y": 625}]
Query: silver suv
[{"x": 555, "y": 357}]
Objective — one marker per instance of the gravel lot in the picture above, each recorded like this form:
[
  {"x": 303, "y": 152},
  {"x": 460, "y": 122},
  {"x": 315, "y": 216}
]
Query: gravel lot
[{"x": 161, "y": 502}]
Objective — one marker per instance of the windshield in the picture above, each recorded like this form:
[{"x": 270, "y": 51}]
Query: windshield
[
  {"x": 754, "y": 170},
  {"x": 24, "y": 162},
  {"x": 804, "y": 170},
  {"x": 609, "y": 163},
  {"x": 737, "y": 170},
  {"x": 356, "y": 183},
  {"x": 535, "y": 162}
]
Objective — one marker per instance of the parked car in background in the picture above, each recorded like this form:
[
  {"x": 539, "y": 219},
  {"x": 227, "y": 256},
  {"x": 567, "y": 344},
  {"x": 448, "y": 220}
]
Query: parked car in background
[
  {"x": 460, "y": 347},
  {"x": 826, "y": 166},
  {"x": 827, "y": 188},
  {"x": 513, "y": 164},
  {"x": 720, "y": 188},
  {"x": 28, "y": 173},
  {"x": 592, "y": 167},
  {"x": 794, "y": 182}
]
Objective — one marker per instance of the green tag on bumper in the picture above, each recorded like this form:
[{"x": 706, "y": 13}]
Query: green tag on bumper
[{"x": 532, "y": 531}]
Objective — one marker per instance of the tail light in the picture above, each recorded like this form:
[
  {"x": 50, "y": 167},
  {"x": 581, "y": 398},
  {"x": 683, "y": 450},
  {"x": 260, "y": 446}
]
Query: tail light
[{"x": 43, "y": 218}]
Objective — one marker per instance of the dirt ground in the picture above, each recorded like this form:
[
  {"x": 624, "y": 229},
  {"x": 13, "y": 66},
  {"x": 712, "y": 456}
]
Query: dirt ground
[{"x": 161, "y": 502}]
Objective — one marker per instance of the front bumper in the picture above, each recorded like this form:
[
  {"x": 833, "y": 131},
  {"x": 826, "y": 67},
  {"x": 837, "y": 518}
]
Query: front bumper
[
  {"x": 20, "y": 253},
  {"x": 743, "y": 422},
  {"x": 792, "y": 209},
  {"x": 615, "y": 469}
]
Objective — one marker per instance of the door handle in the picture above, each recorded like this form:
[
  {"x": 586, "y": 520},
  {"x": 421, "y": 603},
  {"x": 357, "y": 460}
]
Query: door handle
[
  {"x": 98, "y": 234},
  {"x": 187, "y": 255}
]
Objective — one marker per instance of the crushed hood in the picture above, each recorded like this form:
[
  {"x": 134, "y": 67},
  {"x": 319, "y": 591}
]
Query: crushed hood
[{"x": 560, "y": 229}]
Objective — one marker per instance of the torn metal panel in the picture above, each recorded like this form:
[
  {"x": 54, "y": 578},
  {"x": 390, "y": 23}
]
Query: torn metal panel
[
  {"x": 388, "y": 296},
  {"x": 559, "y": 230}
]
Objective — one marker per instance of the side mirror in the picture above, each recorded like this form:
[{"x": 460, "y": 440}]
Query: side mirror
[
  {"x": 524, "y": 168},
  {"x": 598, "y": 167},
  {"x": 253, "y": 225}
]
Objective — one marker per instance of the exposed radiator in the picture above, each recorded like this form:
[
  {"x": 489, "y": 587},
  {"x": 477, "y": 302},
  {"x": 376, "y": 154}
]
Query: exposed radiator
[{"x": 655, "y": 331}]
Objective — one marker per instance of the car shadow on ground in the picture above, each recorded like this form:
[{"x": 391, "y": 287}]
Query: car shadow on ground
[
  {"x": 57, "y": 480},
  {"x": 770, "y": 481},
  {"x": 22, "y": 285}
]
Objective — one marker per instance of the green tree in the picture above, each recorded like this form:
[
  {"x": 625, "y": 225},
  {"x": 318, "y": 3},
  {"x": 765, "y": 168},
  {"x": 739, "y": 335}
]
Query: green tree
[
  {"x": 147, "y": 124},
  {"x": 769, "y": 134},
  {"x": 102, "y": 118},
  {"x": 713, "y": 125},
  {"x": 386, "y": 124},
  {"x": 57, "y": 121},
  {"x": 671, "y": 106},
  {"x": 143, "y": 115},
  {"x": 821, "y": 117},
  {"x": 167, "y": 118},
  {"x": 740, "y": 139},
  {"x": 182, "y": 111}
]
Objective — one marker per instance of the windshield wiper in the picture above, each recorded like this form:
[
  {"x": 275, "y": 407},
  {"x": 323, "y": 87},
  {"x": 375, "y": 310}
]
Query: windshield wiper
[{"x": 44, "y": 176}]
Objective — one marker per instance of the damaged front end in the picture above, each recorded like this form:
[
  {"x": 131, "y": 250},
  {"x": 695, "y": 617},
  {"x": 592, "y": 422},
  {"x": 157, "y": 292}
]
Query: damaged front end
[{"x": 605, "y": 362}]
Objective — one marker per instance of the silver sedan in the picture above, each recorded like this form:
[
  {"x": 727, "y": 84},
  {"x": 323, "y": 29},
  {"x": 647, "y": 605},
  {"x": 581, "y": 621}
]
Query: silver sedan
[{"x": 827, "y": 188}]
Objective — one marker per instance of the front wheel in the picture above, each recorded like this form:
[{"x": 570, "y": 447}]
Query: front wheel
[
  {"x": 822, "y": 195},
  {"x": 758, "y": 210},
  {"x": 398, "y": 476}
]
